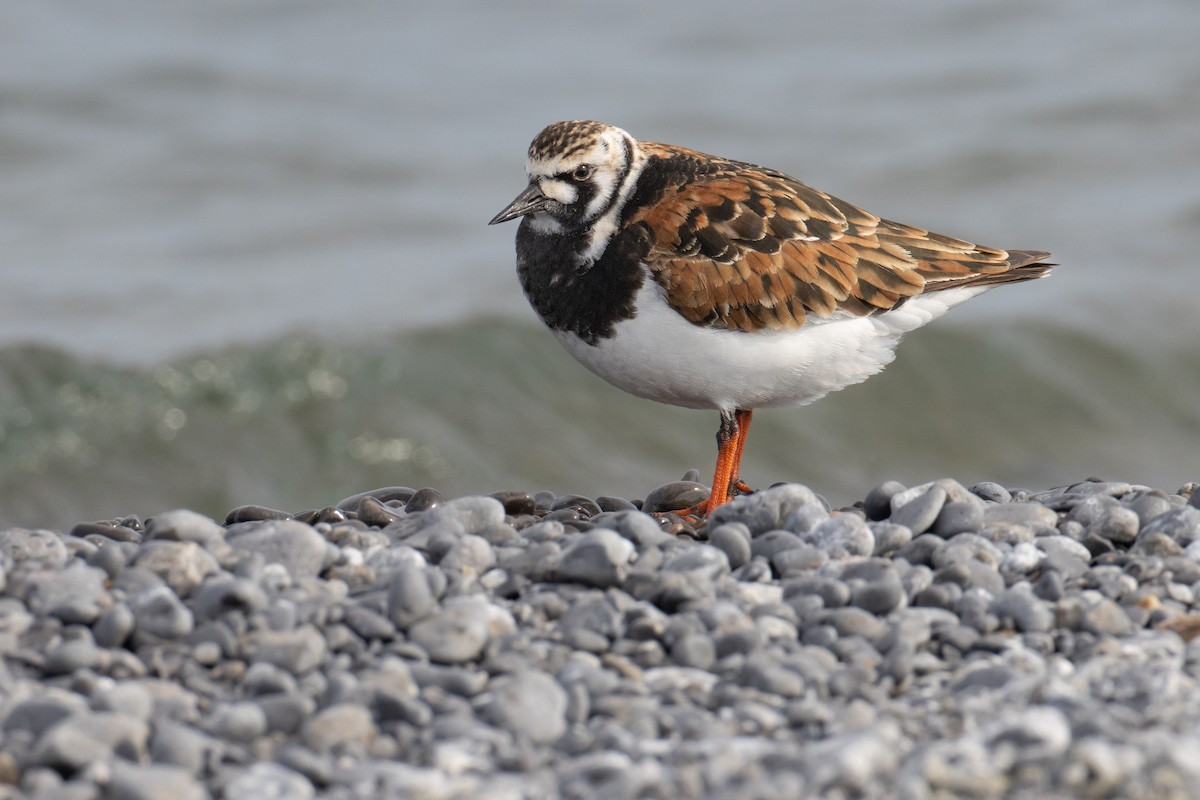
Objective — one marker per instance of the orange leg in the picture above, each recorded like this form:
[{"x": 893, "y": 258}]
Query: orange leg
[
  {"x": 742, "y": 417},
  {"x": 731, "y": 440}
]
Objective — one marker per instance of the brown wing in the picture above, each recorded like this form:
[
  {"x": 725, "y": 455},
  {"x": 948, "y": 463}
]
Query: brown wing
[{"x": 743, "y": 247}]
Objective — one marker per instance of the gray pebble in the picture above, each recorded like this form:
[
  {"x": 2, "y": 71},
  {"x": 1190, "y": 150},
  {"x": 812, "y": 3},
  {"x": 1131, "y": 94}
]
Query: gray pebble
[
  {"x": 74, "y": 595},
  {"x": 958, "y": 517},
  {"x": 878, "y": 502},
  {"x": 675, "y": 496},
  {"x": 889, "y": 537},
  {"x": 733, "y": 539},
  {"x": 991, "y": 491},
  {"x": 83, "y": 738},
  {"x": 33, "y": 549},
  {"x": 700, "y": 562},
  {"x": 285, "y": 712},
  {"x": 346, "y": 728},
  {"x": 36, "y": 714},
  {"x": 182, "y": 565},
  {"x": 296, "y": 651},
  {"x": 160, "y": 613},
  {"x": 1022, "y": 610},
  {"x": 842, "y": 536},
  {"x": 74, "y": 655},
  {"x": 266, "y": 780},
  {"x": 531, "y": 703},
  {"x": 1180, "y": 525},
  {"x": 182, "y": 745},
  {"x": 225, "y": 593},
  {"x": 765, "y": 510},
  {"x": 410, "y": 596},
  {"x": 1030, "y": 515},
  {"x": 114, "y": 626},
  {"x": 599, "y": 558},
  {"x": 185, "y": 526},
  {"x": 424, "y": 500},
  {"x": 239, "y": 722},
  {"x": 294, "y": 545},
  {"x": 452, "y": 635},
  {"x": 694, "y": 650},
  {"x": 919, "y": 513},
  {"x": 154, "y": 782}
]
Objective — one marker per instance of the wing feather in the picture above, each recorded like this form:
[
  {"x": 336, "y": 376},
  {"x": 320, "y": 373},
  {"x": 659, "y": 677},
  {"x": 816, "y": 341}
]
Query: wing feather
[{"x": 738, "y": 246}]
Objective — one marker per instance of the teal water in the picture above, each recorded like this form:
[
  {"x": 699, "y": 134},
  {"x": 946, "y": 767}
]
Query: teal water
[{"x": 301, "y": 422}]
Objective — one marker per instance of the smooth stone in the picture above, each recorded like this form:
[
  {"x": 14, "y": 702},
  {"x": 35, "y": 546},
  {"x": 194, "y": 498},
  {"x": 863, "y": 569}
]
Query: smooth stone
[
  {"x": 383, "y": 496},
  {"x": 1022, "y": 559},
  {"x": 266, "y": 780},
  {"x": 452, "y": 635},
  {"x": 114, "y": 626},
  {"x": 765, "y": 510},
  {"x": 1031, "y": 515},
  {"x": 771, "y": 543},
  {"x": 424, "y": 500},
  {"x": 694, "y": 650},
  {"x": 182, "y": 564},
  {"x": 285, "y": 712},
  {"x": 253, "y": 513},
  {"x": 516, "y": 502},
  {"x": 42, "y": 711},
  {"x": 473, "y": 514},
  {"x": 183, "y": 745},
  {"x": 75, "y": 594},
  {"x": 74, "y": 655},
  {"x": 675, "y": 496},
  {"x": 294, "y": 545},
  {"x": 732, "y": 539},
  {"x": 614, "y": 504},
  {"x": 842, "y": 536},
  {"x": 878, "y": 597},
  {"x": 240, "y": 722},
  {"x": 599, "y": 558},
  {"x": 957, "y": 517},
  {"x": 585, "y": 507},
  {"x": 226, "y": 593},
  {"x": 159, "y": 612},
  {"x": 108, "y": 557},
  {"x": 1105, "y": 617},
  {"x": 529, "y": 703},
  {"x": 83, "y": 738},
  {"x": 991, "y": 491},
  {"x": 955, "y": 492},
  {"x": 296, "y": 651},
  {"x": 410, "y": 597},
  {"x": 702, "y": 562},
  {"x": 834, "y": 593},
  {"x": 469, "y": 555},
  {"x": 1180, "y": 525},
  {"x": 33, "y": 549},
  {"x": 342, "y": 728},
  {"x": 154, "y": 782},
  {"x": 183, "y": 525},
  {"x": 374, "y": 513},
  {"x": 108, "y": 530},
  {"x": 762, "y": 673},
  {"x": 889, "y": 537},
  {"x": 1022, "y": 610},
  {"x": 369, "y": 624},
  {"x": 919, "y": 513},
  {"x": 878, "y": 503}
]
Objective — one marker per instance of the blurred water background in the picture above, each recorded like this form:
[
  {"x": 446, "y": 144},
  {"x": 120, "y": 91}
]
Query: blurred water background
[{"x": 244, "y": 255}]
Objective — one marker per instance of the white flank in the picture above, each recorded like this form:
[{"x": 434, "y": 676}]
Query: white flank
[{"x": 661, "y": 356}]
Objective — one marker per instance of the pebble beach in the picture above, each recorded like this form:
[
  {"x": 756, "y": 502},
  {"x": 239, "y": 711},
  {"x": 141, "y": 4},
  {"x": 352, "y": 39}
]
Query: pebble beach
[{"x": 934, "y": 641}]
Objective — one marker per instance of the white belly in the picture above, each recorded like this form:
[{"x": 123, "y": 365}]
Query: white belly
[{"x": 661, "y": 356}]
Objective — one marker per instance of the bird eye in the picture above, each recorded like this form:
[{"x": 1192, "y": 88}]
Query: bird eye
[{"x": 582, "y": 172}]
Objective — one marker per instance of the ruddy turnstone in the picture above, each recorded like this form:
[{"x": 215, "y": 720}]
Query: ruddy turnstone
[{"x": 703, "y": 282}]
